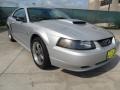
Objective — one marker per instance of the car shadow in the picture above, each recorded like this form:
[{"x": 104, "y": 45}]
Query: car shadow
[
  {"x": 95, "y": 72},
  {"x": 49, "y": 69},
  {"x": 52, "y": 68}
]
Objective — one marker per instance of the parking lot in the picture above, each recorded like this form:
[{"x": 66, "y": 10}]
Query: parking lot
[{"x": 18, "y": 72}]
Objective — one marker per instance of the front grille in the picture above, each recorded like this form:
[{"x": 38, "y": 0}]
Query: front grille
[{"x": 105, "y": 42}]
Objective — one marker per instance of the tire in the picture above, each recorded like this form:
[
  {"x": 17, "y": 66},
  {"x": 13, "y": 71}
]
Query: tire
[
  {"x": 40, "y": 53},
  {"x": 10, "y": 35}
]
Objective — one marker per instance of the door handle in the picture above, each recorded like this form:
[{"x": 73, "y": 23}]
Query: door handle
[{"x": 13, "y": 22}]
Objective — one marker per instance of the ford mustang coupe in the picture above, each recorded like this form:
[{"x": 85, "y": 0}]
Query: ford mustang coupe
[{"x": 55, "y": 39}]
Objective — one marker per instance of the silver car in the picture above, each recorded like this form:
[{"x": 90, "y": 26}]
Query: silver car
[{"x": 55, "y": 39}]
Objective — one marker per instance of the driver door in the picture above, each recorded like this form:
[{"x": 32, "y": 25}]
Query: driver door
[{"x": 18, "y": 25}]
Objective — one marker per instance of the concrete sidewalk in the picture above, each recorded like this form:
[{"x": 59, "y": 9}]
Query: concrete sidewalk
[{"x": 18, "y": 72}]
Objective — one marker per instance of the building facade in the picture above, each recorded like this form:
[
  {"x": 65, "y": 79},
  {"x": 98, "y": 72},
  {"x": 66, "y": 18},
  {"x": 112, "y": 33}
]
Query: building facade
[{"x": 106, "y": 5}]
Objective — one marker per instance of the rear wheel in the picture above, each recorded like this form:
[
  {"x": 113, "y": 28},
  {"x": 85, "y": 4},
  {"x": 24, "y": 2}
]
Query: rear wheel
[
  {"x": 40, "y": 53},
  {"x": 10, "y": 35}
]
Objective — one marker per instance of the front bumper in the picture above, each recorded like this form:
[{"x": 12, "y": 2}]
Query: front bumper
[{"x": 76, "y": 60}]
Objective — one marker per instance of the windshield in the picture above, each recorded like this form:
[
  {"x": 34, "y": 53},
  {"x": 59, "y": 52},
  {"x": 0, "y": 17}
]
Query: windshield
[{"x": 38, "y": 14}]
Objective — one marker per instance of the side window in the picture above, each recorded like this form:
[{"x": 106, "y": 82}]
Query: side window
[{"x": 20, "y": 15}]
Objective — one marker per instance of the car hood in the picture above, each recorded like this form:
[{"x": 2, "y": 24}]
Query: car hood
[{"x": 79, "y": 30}]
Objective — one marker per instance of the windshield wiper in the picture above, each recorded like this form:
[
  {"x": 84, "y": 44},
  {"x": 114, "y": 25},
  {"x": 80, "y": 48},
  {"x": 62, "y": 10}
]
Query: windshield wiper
[
  {"x": 43, "y": 19},
  {"x": 38, "y": 19},
  {"x": 60, "y": 18}
]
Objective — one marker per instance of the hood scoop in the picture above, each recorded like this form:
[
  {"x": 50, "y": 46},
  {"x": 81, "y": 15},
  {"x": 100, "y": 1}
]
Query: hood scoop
[{"x": 79, "y": 22}]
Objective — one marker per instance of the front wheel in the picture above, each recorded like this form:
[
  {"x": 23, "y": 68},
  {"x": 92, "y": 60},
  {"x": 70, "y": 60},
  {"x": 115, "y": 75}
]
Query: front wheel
[{"x": 40, "y": 53}]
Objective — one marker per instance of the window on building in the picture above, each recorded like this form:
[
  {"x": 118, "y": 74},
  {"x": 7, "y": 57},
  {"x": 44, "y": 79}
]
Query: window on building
[{"x": 106, "y": 2}]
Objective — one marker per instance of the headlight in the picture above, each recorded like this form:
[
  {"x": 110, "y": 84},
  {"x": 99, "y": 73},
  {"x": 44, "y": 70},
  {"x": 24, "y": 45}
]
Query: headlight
[
  {"x": 114, "y": 40},
  {"x": 76, "y": 44}
]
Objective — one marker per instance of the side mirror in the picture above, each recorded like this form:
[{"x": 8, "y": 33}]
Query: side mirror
[{"x": 22, "y": 19}]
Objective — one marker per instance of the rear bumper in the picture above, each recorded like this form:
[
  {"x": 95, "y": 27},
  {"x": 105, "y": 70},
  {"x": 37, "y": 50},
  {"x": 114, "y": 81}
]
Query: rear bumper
[{"x": 81, "y": 60}]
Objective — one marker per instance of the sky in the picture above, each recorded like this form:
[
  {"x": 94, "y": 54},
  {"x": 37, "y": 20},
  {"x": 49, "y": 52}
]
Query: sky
[{"x": 81, "y": 4}]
